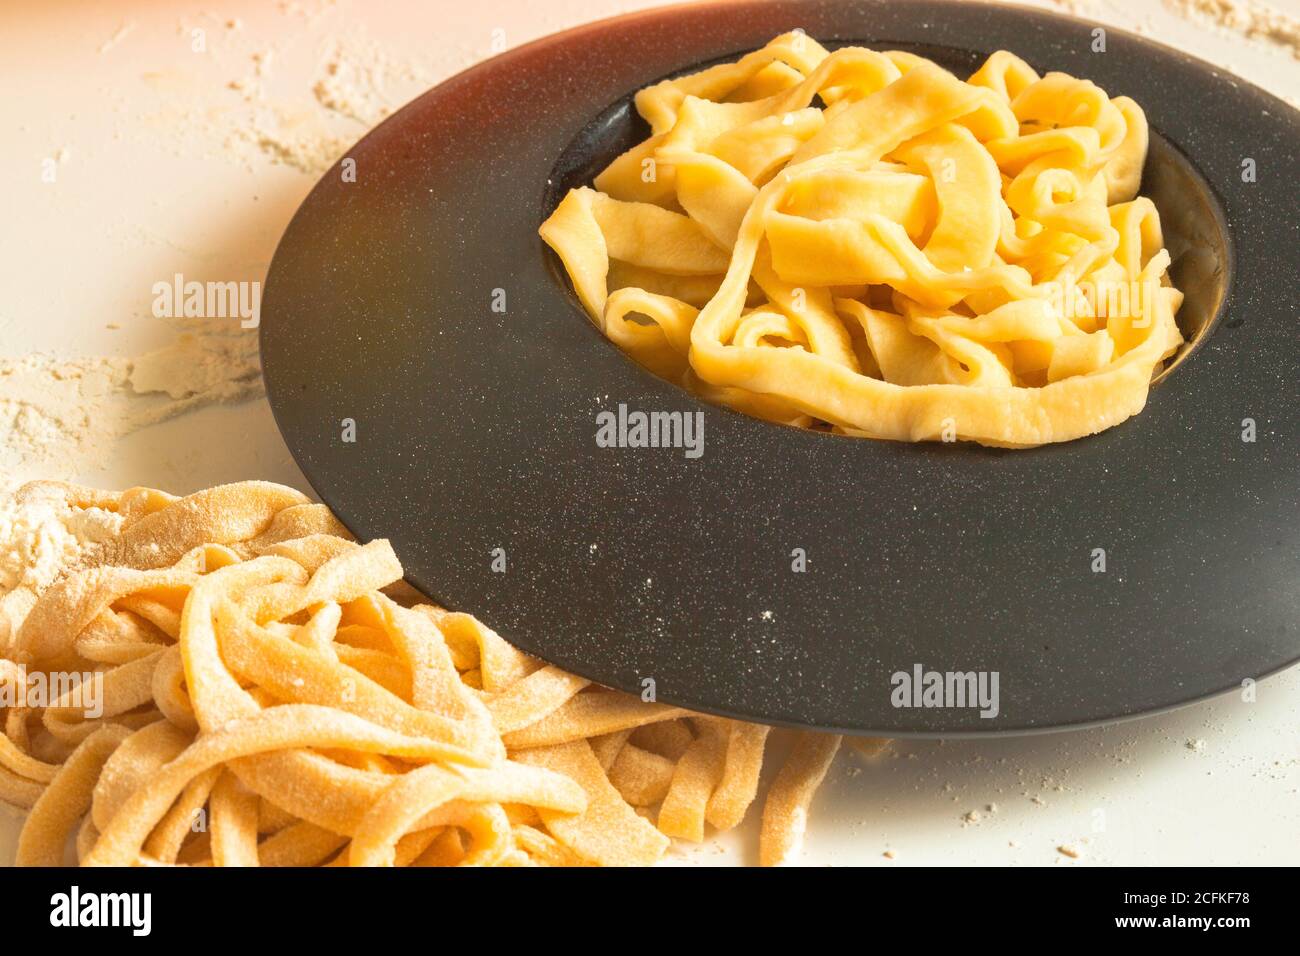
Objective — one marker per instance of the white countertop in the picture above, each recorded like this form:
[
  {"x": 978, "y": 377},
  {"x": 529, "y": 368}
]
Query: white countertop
[{"x": 170, "y": 159}]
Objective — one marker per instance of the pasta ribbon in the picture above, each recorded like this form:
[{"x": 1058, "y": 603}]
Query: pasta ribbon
[
  {"x": 258, "y": 689},
  {"x": 860, "y": 242}
]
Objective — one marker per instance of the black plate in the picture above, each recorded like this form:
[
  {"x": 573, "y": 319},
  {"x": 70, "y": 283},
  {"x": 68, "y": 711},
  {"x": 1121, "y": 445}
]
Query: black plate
[{"x": 475, "y": 429}]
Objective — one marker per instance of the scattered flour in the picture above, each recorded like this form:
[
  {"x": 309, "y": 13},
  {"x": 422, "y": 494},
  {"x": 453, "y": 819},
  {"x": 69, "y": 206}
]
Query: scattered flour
[
  {"x": 1246, "y": 18},
  {"x": 252, "y": 86},
  {"x": 357, "y": 85},
  {"x": 1078, "y": 8},
  {"x": 869, "y": 747},
  {"x": 307, "y": 151},
  {"x": 54, "y": 409},
  {"x": 41, "y": 533}
]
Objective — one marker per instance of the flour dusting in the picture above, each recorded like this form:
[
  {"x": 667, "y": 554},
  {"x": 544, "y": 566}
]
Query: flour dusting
[
  {"x": 41, "y": 533},
  {"x": 1248, "y": 19},
  {"x": 54, "y": 409}
]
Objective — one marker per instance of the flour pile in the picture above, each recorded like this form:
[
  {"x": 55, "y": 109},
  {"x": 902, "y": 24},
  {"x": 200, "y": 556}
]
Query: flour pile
[{"x": 52, "y": 409}]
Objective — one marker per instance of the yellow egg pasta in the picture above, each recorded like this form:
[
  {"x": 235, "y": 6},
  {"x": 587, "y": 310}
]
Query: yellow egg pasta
[
  {"x": 253, "y": 687},
  {"x": 863, "y": 243}
]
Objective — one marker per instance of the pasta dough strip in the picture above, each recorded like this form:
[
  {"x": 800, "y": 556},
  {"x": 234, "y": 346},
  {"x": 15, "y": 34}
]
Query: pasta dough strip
[{"x": 286, "y": 710}]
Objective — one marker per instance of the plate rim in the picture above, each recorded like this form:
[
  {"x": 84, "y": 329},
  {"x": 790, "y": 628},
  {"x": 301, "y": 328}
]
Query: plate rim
[{"x": 661, "y": 12}]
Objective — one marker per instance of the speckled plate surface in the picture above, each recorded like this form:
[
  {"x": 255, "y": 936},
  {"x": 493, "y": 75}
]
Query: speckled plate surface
[{"x": 475, "y": 429}]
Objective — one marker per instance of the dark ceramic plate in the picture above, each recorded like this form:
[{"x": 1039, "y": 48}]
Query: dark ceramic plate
[{"x": 474, "y": 428}]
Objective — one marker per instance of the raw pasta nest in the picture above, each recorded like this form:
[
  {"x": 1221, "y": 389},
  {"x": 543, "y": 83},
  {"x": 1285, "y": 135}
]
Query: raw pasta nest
[
  {"x": 262, "y": 689},
  {"x": 860, "y": 241}
]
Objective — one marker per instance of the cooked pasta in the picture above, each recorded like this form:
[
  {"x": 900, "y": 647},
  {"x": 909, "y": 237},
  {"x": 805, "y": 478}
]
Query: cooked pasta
[
  {"x": 260, "y": 689},
  {"x": 862, "y": 242}
]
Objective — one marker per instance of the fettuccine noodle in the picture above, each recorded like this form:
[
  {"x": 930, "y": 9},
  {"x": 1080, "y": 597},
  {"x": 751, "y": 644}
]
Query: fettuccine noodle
[
  {"x": 860, "y": 241},
  {"x": 263, "y": 690}
]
